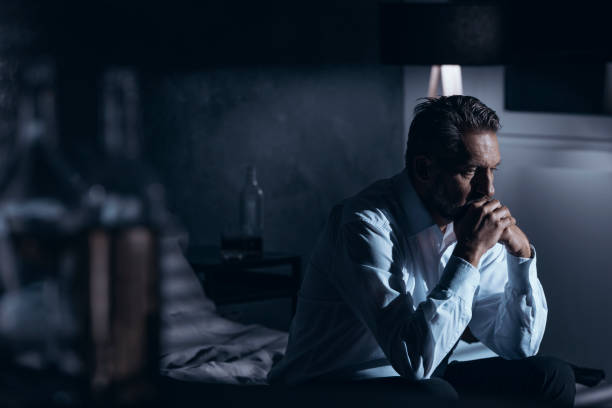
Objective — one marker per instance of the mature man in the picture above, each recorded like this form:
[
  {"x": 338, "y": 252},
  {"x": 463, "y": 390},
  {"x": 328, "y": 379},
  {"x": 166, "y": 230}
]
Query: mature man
[{"x": 409, "y": 264}]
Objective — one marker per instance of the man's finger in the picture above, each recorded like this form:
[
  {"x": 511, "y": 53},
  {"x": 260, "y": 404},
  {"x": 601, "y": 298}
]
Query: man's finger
[
  {"x": 501, "y": 212},
  {"x": 491, "y": 205},
  {"x": 480, "y": 202},
  {"x": 505, "y": 222}
]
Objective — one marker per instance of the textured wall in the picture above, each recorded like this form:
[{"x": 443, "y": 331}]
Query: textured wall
[{"x": 316, "y": 135}]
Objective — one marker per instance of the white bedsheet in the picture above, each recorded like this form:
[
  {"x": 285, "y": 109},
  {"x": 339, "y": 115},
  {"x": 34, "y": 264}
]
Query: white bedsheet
[
  {"x": 199, "y": 345},
  {"x": 229, "y": 353}
]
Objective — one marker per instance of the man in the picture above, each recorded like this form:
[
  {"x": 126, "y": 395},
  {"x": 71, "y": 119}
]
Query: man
[{"x": 409, "y": 264}]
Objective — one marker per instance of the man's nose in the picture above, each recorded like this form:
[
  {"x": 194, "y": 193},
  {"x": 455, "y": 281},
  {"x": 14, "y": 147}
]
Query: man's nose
[{"x": 485, "y": 184}]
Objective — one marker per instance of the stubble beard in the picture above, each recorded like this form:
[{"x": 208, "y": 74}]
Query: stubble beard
[
  {"x": 444, "y": 206},
  {"x": 449, "y": 207}
]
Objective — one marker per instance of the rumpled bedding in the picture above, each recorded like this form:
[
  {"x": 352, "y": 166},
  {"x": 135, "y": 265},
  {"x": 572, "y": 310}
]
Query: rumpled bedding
[{"x": 199, "y": 345}]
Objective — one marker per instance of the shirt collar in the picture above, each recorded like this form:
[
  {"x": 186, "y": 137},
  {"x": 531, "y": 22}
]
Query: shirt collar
[
  {"x": 415, "y": 215},
  {"x": 449, "y": 237}
]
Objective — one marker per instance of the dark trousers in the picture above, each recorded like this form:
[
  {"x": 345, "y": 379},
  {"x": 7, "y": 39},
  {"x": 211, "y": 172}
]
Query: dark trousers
[
  {"x": 546, "y": 380},
  {"x": 537, "y": 381}
]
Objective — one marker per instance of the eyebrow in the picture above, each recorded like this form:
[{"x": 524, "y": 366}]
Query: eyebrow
[{"x": 476, "y": 164}]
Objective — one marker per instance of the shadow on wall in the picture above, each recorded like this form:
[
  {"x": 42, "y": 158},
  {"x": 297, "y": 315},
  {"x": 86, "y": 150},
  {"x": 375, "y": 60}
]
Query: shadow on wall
[{"x": 316, "y": 135}]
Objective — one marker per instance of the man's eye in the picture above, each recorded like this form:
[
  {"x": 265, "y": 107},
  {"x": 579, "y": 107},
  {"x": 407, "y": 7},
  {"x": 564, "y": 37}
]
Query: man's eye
[{"x": 468, "y": 171}]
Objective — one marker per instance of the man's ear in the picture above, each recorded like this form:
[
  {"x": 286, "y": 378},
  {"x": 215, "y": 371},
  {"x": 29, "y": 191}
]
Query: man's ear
[{"x": 422, "y": 168}]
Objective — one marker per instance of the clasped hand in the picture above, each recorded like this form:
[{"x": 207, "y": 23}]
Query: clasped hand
[{"x": 485, "y": 223}]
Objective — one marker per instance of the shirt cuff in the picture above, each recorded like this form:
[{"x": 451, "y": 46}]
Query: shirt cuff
[
  {"x": 521, "y": 270},
  {"x": 460, "y": 277}
]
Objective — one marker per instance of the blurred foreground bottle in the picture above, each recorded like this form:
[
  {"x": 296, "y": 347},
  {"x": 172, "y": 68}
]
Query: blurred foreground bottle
[
  {"x": 42, "y": 320},
  {"x": 79, "y": 261},
  {"x": 123, "y": 253}
]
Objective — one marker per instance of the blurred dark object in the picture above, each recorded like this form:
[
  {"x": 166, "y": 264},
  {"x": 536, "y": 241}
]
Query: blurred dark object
[
  {"x": 41, "y": 226},
  {"x": 494, "y": 32},
  {"x": 79, "y": 264},
  {"x": 564, "y": 88},
  {"x": 123, "y": 253}
]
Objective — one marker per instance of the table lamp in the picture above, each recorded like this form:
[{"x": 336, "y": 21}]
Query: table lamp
[{"x": 491, "y": 33}]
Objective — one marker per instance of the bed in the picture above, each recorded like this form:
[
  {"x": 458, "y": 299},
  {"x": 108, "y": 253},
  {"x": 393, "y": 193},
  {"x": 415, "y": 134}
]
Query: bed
[{"x": 208, "y": 358}]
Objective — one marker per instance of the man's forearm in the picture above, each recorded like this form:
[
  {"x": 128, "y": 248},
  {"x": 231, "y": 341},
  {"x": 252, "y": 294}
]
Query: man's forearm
[{"x": 522, "y": 313}]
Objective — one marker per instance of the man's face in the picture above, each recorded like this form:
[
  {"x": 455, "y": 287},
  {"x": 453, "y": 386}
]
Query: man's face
[{"x": 454, "y": 189}]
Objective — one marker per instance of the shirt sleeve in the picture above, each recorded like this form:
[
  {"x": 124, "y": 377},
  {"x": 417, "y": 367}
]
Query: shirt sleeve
[
  {"x": 509, "y": 316},
  {"x": 368, "y": 273}
]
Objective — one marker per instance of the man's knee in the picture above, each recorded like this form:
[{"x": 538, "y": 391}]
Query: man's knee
[
  {"x": 436, "y": 388},
  {"x": 439, "y": 388},
  {"x": 554, "y": 380}
]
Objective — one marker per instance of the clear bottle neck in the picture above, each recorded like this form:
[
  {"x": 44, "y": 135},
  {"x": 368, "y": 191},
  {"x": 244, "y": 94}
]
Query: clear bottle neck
[
  {"x": 36, "y": 111},
  {"x": 121, "y": 114}
]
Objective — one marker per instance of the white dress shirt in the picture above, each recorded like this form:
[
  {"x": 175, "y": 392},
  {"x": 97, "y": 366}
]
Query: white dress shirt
[{"x": 384, "y": 296}]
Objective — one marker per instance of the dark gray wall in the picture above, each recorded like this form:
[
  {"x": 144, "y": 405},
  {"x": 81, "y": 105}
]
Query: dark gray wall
[{"x": 316, "y": 134}]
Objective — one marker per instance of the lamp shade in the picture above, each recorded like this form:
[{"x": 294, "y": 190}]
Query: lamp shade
[
  {"x": 488, "y": 32},
  {"x": 441, "y": 33}
]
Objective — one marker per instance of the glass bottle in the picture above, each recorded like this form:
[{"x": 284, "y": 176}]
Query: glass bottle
[
  {"x": 251, "y": 214},
  {"x": 123, "y": 253},
  {"x": 41, "y": 321},
  {"x": 79, "y": 261}
]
